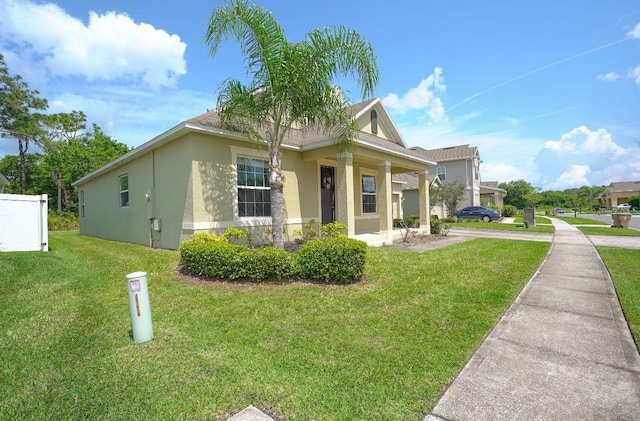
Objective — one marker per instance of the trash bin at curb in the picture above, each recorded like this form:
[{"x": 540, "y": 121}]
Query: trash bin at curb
[{"x": 139, "y": 306}]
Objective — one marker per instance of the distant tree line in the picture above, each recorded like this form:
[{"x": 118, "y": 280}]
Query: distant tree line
[
  {"x": 522, "y": 194},
  {"x": 67, "y": 150}
]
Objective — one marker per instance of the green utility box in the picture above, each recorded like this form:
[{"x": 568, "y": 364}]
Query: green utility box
[{"x": 140, "y": 307}]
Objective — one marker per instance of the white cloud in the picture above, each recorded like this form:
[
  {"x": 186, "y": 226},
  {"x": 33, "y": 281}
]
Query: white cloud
[
  {"x": 560, "y": 146},
  {"x": 635, "y": 32},
  {"x": 609, "y": 77},
  {"x": 426, "y": 96},
  {"x": 502, "y": 172},
  {"x": 585, "y": 157},
  {"x": 635, "y": 75},
  {"x": 110, "y": 47},
  {"x": 581, "y": 140},
  {"x": 575, "y": 176}
]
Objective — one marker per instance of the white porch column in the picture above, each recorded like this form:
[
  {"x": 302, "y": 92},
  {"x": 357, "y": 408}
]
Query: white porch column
[
  {"x": 423, "y": 198},
  {"x": 345, "y": 197},
  {"x": 385, "y": 200}
]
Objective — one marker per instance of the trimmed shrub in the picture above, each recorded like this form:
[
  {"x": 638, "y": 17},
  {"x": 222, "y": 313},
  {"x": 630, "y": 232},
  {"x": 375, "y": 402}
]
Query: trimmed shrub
[
  {"x": 266, "y": 263},
  {"x": 206, "y": 237},
  {"x": 449, "y": 220},
  {"x": 332, "y": 259},
  {"x": 509, "y": 211},
  {"x": 215, "y": 259}
]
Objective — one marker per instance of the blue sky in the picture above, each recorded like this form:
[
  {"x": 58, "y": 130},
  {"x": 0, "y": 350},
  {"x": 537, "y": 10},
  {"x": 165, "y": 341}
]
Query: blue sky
[{"x": 549, "y": 91}]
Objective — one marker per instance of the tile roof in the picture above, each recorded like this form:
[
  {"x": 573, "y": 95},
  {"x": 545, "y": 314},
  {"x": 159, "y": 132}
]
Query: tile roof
[
  {"x": 450, "y": 153},
  {"x": 624, "y": 186},
  {"x": 306, "y": 137}
]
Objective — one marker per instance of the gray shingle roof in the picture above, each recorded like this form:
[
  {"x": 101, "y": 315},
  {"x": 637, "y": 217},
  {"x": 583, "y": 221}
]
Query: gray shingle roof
[
  {"x": 450, "y": 153},
  {"x": 624, "y": 186},
  {"x": 306, "y": 137}
]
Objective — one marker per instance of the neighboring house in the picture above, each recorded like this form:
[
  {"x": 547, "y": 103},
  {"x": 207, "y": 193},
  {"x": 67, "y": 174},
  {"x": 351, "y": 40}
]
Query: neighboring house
[
  {"x": 618, "y": 193},
  {"x": 410, "y": 194},
  {"x": 3, "y": 182},
  {"x": 491, "y": 195},
  {"x": 199, "y": 177},
  {"x": 457, "y": 163}
]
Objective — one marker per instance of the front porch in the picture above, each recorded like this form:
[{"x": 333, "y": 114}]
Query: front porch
[{"x": 377, "y": 239}]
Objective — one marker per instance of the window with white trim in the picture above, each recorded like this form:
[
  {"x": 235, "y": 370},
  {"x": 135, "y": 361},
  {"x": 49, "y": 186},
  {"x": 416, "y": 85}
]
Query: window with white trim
[
  {"x": 254, "y": 194},
  {"x": 123, "y": 182},
  {"x": 368, "y": 193},
  {"x": 441, "y": 172}
]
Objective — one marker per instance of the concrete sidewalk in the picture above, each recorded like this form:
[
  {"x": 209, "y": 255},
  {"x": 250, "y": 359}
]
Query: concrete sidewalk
[{"x": 563, "y": 350}]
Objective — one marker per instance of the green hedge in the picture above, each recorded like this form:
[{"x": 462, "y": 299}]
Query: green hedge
[{"x": 331, "y": 259}]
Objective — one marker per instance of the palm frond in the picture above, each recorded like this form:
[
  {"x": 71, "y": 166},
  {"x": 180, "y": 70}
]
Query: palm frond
[
  {"x": 343, "y": 51},
  {"x": 259, "y": 35}
]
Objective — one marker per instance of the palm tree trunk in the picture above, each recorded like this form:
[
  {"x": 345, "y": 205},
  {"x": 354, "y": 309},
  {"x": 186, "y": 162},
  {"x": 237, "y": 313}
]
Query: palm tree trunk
[
  {"x": 276, "y": 183},
  {"x": 22, "y": 147}
]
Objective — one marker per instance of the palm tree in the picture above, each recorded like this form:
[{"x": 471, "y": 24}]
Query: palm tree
[
  {"x": 589, "y": 193},
  {"x": 291, "y": 86}
]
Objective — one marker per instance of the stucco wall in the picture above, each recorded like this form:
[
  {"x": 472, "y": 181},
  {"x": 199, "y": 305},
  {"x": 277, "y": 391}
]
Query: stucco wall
[
  {"x": 104, "y": 218},
  {"x": 166, "y": 168},
  {"x": 214, "y": 200}
]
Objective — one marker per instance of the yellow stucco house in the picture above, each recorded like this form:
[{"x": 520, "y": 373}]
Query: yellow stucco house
[
  {"x": 198, "y": 177},
  {"x": 619, "y": 193}
]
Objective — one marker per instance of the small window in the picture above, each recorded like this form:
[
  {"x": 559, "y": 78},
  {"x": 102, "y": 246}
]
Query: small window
[
  {"x": 441, "y": 172},
  {"x": 368, "y": 194},
  {"x": 124, "y": 191},
  {"x": 82, "y": 203},
  {"x": 374, "y": 122},
  {"x": 254, "y": 194}
]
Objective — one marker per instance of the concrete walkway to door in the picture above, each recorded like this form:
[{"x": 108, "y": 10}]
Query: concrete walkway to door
[{"x": 563, "y": 350}]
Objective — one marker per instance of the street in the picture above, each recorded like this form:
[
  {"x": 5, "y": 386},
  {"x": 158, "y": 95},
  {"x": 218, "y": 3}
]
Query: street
[{"x": 633, "y": 223}]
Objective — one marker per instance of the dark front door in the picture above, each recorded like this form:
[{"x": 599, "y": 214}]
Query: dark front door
[{"x": 327, "y": 194}]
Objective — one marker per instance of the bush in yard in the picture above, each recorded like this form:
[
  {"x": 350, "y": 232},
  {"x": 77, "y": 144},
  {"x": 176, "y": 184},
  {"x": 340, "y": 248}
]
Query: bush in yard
[
  {"x": 509, "y": 211},
  {"x": 334, "y": 229},
  {"x": 332, "y": 259},
  {"x": 436, "y": 225},
  {"x": 413, "y": 221},
  {"x": 239, "y": 234},
  {"x": 266, "y": 263},
  {"x": 215, "y": 259},
  {"x": 449, "y": 220},
  {"x": 206, "y": 237}
]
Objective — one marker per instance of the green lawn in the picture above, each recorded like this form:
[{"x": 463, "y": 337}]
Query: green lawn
[
  {"x": 384, "y": 348},
  {"x": 624, "y": 232},
  {"x": 539, "y": 220},
  {"x": 624, "y": 268},
  {"x": 503, "y": 227},
  {"x": 577, "y": 220}
]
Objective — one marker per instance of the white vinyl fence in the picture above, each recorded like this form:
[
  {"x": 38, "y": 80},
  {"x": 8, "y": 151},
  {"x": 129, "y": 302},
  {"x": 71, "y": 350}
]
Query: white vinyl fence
[{"x": 23, "y": 223}]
